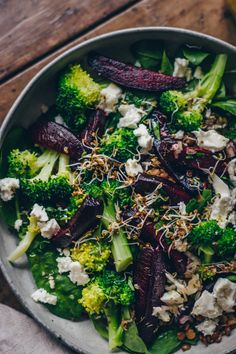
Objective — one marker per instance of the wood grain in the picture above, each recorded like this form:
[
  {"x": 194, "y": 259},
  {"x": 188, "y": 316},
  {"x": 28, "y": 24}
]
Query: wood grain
[
  {"x": 205, "y": 16},
  {"x": 32, "y": 28}
]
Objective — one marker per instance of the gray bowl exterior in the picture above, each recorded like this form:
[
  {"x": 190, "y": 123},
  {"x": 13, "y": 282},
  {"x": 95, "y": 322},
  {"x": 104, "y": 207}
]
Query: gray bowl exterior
[{"x": 81, "y": 336}]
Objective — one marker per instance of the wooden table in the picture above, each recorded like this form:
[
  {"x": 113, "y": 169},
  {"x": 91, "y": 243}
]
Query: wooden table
[{"x": 33, "y": 32}]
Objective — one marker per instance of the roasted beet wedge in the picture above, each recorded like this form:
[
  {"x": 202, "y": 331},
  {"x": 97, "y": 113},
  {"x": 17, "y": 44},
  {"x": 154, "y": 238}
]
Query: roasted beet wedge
[
  {"x": 131, "y": 76},
  {"x": 147, "y": 184},
  {"x": 149, "y": 324},
  {"x": 54, "y": 136},
  {"x": 84, "y": 220},
  {"x": 96, "y": 125},
  {"x": 142, "y": 277}
]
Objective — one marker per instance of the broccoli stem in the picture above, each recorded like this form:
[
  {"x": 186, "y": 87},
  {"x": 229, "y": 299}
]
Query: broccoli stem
[
  {"x": 120, "y": 247},
  {"x": 211, "y": 82},
  {"x": 115, "y": 331},
  {"x": 207, "y": 253},
  {"x": 63, "y": 166},
  {"x": 46, "y": 162},
  {"x": 24, "y": 243}
]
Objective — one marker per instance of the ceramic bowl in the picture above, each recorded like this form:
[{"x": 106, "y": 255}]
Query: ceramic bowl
[{"x": 41, "y": 90}]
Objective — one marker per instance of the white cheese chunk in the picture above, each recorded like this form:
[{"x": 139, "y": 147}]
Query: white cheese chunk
[
  {"x": 162, "y": 313},
  {"x": 39, "y": 213},
  {"x": 232, "y": 171},
  {"x": 210, "y": 140},
  {"x": 77, "y": 274},
  {"x": 51, "y": 281},
  {"x": 172, "y": 298},
  {"x": 110, "y": 97},
  {"x": 207, "y": 327},
  {"x": 145, "y": 140},
  {"x": 18, "y": 224},
  {"x": 182, "y": 69},
  {"x": 41, "y": 295},
  {"x": 133, "y": 168},
  {"x": 223, "y": 203},
  {"x": 63, "y": 264},
  {"x": 207, "y": 306},
  {"x": 225, "y": 293},
  {"x": 131, "y": 116},
  {"x": 49, "y": 228},
  {"x": 59, "y": 120},
  {"x": 8, "y": 186},
  {"x": 198, "y": 73}
]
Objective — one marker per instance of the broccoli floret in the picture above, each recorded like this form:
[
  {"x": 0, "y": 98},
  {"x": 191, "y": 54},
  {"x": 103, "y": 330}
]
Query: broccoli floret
[
  {"x": 77, "y": 91},
  {"x": 104, "y": 295},
  {"x": 226, "y": 245},
  {"x": 188, "y": 120},
  {"x": 93, "y": 255},
  {"x": 203, "y": 237},
  {"x": 119, "y": 193},
  {"x": 187, "y": 108},
  {"x": 121, "y": 144},
  {"x": 22, "y": 163},
  {"x": 206, "y": 273},
  {"x": 47, "y": 187},
  {"x": 172, "y": 100},
  {"x": 120, "y": 248}
]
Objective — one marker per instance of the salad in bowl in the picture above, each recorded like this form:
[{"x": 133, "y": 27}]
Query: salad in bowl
[{"x": 122, "y": 195}]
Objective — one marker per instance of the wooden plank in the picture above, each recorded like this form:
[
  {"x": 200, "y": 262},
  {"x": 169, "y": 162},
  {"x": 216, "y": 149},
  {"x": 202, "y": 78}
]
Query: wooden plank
[
  {"x": 30, "y": 29},
  {"x": 205, "y": 16}
]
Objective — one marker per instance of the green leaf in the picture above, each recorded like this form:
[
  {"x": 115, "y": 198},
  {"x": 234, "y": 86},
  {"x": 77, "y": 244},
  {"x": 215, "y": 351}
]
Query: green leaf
[
  {"x": 166, "y": 343},
  {"x": 194, "y": 55},
  {"x": 228, "y": 106},
  {"x": 132, "y": 341},
  {"x": 148, "y": 53},
  {"x": 221, "y": 94},
  {"x": 8, "y": 212},
  {"x": 166, "y": 66}
]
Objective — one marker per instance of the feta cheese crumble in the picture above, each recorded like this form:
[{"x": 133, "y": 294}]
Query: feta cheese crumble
[
  {"x": 225, "y": 292},
  {"x": 133, "y": 168},
  {"x": 131, "y": 116},
  {"x": 223, "y": 203},
  {"x": 39, "y": 213},
  {"x": 41, "y": 295},
  {"x": 76, "y": 272},
  {"x": 172, "y": 298},
  {"x": 8, "y": 187},
  {"x": 145, "y": 140},
  {"x": 207, "y": 306},
  {"x": 59, "y": 120},
  {"x": 49, "y": 228},
  {"x": 210, "y": 140},
  {"x": 207, "y": 327},
  {"x": 182, "y": 69},
  {"x": 232, "y": 171},
  {"x": 18, "y": 224},
  {"x": 162, "y": 313},
  {"x": 110, "y": 97}
]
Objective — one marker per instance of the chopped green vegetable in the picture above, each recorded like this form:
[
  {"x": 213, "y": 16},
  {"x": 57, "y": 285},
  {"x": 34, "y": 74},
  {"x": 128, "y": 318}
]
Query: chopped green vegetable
[
  {"x": 228, "y": 106},
  {"x": 194, "y": 55}
]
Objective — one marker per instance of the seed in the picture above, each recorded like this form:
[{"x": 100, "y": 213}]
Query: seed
[
  {"x": 231, "y": 322},
  {"x": 227, "y": 331},
  {"x": 181, "y": 335},
  {"x": 190, "y": 334},
  {"x": 186, "y": 347}
]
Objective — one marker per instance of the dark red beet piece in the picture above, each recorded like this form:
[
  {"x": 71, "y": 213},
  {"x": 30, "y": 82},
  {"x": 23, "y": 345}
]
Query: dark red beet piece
[
  {"x": 131, "y": 76},
  {"x": 147, "y": 184},
  {"x": 96, "y": 124},
  {"x": 149, "y": 324},
  {"x": 56, "y": 137},
  {"x": 142, "y": 276},
  {"x": 84, "y": 219}
]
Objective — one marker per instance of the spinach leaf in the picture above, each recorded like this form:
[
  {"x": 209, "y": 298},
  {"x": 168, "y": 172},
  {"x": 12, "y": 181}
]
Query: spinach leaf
[
  {"x": 132, "y": 341},
  {"x": 194, "y": 55},
  {"x": 148, "y": 53},
  {"x": 42, "y": 258},
  {"x": 228, "y": 106},
  {"x": 166, "y": 343},
  {"x": 166, "y": 66},
  {"x": 100, "y": 327}
]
